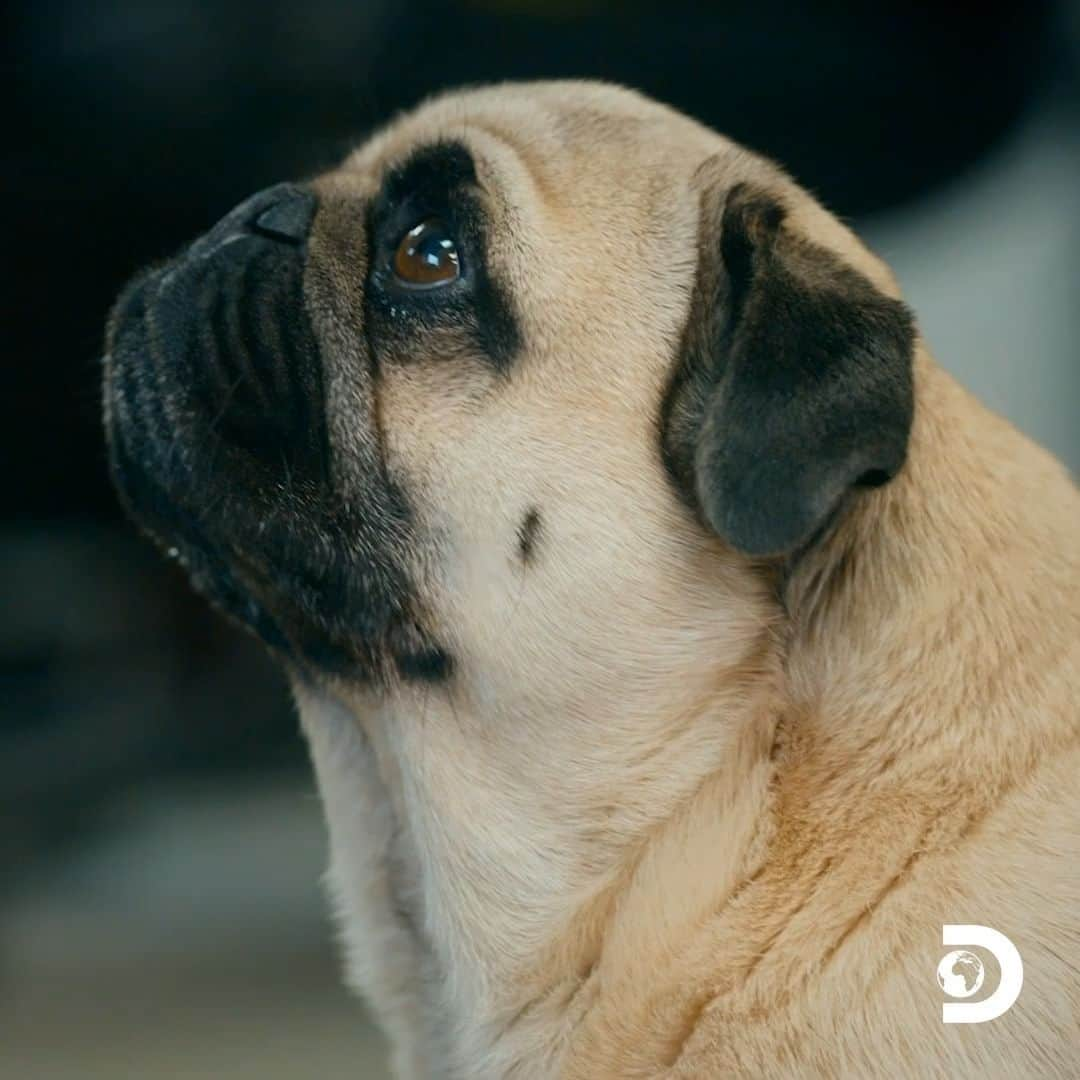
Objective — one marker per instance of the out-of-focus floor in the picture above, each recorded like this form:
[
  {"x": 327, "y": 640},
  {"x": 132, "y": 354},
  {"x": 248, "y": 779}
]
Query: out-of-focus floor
[{"x": 191, "y": 939}]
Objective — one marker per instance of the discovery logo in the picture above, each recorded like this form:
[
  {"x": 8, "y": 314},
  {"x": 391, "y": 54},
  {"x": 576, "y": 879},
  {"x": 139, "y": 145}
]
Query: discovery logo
[{"x": 961, "y": 974}]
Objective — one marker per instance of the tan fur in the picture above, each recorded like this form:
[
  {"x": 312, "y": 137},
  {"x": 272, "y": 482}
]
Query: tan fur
[{"x": 659, "y": 824}]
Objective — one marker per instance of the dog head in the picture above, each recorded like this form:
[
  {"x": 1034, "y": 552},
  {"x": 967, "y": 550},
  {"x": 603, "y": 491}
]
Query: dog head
[{"x": 543, "y": 382}]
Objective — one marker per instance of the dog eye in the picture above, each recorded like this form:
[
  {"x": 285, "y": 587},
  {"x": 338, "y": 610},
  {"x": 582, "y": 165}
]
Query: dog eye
[{"x": 427, "y": 256}]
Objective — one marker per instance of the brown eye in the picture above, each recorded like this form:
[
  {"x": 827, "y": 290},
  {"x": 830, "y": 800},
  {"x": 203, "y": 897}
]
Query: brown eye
[{"x": 427, "y": 256}]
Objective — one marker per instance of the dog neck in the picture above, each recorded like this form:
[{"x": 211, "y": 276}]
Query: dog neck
[{"x": 500, "y": 876}]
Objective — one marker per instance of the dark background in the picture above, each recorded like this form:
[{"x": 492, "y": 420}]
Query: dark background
[{"x": 133, "y": 126}]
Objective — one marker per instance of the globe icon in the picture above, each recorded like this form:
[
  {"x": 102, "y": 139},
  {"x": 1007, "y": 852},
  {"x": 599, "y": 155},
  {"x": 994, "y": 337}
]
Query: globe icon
[{"x": 960, "y": 973}]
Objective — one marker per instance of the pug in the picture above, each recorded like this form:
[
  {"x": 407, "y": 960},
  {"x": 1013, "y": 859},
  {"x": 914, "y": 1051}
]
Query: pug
[{"x": 679, "y": 647}]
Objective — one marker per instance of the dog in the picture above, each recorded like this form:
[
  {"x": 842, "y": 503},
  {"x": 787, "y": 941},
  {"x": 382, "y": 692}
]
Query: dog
[{"x": 680, "y": 648}]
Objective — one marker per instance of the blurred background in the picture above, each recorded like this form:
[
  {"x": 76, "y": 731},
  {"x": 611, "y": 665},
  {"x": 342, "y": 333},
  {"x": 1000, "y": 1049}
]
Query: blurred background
[{"x": 160, "y": 840}]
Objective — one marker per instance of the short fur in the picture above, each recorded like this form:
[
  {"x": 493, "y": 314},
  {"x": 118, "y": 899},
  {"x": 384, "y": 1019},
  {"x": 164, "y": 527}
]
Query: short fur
[{"x": 678, "y": 645}]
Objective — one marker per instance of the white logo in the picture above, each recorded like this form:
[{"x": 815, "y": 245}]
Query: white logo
[{"x": 961, "y": 973}]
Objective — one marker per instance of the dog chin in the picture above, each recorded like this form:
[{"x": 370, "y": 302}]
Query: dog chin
[{"x": 284, "y": 573}]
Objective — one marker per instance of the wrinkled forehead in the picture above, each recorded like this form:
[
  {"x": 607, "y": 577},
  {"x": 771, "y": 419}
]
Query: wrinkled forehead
[
  {"x": 579, "y": 213},
  {"x": 575, "y": 157},
  {"x": 578, "y": 197},
  {"x": 581, "y": 146}
]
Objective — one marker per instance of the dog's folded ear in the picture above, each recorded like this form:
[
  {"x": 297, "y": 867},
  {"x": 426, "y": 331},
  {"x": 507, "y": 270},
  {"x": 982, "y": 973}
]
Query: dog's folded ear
[{"x": 795, "y": 382}]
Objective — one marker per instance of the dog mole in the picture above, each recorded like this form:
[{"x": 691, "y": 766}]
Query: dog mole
[{"x": 527, "y": 534}]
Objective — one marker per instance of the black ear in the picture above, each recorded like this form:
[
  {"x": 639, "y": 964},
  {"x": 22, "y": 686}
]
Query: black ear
[{"x": 794, "y": 385}]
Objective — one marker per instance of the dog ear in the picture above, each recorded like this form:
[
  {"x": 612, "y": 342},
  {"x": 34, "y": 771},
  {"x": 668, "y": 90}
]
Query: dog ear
[{"x": 795, "y": 382}]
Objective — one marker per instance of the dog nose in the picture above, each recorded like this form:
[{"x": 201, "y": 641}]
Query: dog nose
[
  {"x": 286, "y": 213},
  {"x": 283, "y": 213}
]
